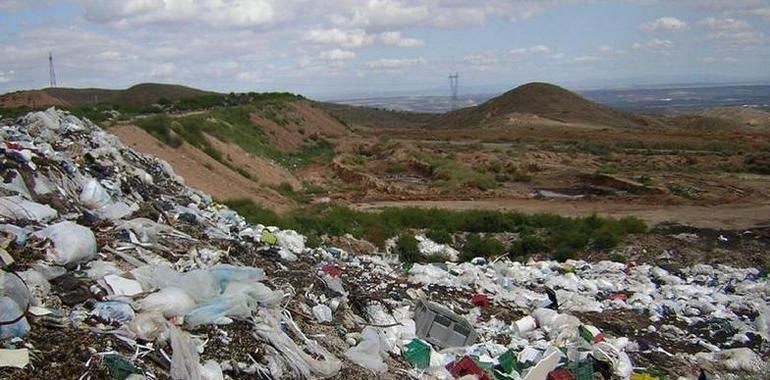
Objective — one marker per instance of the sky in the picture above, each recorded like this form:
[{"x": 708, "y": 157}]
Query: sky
[{"x": 348, "y": 48}]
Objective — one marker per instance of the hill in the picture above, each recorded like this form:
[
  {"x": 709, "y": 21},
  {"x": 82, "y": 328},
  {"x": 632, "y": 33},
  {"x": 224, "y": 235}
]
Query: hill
[
  {"x": 542, "y": 100},
  {"x": 139, "y": 95},
  {"x": 745, "y": 116},
  {"x": 377, "y": 117}
]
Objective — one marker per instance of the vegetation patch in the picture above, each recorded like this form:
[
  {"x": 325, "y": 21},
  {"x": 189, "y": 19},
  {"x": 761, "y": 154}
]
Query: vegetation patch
[{"x": 562, "y": 235}]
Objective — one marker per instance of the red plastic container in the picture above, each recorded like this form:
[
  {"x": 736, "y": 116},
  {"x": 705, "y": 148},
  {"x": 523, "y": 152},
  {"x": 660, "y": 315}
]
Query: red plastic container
[{"x": 561, "y": 374}]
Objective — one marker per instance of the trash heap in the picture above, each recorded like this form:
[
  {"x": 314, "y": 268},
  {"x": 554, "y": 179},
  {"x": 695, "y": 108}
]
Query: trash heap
[{"x": 113, "y": 268}]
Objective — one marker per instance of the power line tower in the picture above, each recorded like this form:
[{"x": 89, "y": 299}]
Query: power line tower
[
  {"x": 453, "y": 86},
  {"x": 51, "y": 72}
]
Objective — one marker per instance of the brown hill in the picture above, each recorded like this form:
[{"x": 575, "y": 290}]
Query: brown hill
[
  {"x": 543, "y": 100},
  {"x": 742, "y": 116},
  {"x": 144, "y": 94}
]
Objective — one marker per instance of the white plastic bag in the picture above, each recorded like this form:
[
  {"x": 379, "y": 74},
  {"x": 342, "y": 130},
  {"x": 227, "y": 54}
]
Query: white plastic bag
[
  {"x": 170, "y": 302},
  {"x": 16, "y": 207},
  {"x": 291, "y": 240},
  {"x": 72, "y": 243},
  {"x": 322, "y": 313},
  {"x": 185, "y": 364},
  {"x": 367, "y": 353},
  {"x": 148, "y": 326}
]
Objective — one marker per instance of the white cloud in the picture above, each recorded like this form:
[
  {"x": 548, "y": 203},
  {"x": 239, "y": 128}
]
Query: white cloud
[
  {"x": 345, "y": 38},
  {"x": 609, "y": 50},
  {"x": 394, "y": 63},
  {"x": 724, "y": 24},
  {"x": 714, "y": 60},
  {"x": 125, "y": 13},
  {"x": 163, "y": 70},
  {"x": 336, "y": 55},
  {"x": 762, "y": 12},
  {"x": 534, "y": 50},
  {"x": 654, "y": 44},
  {"x": 664, "y": 23},
  {"x": 732, "y": 32},
  {"x": 356, "y": 38},
  {"x": 6, "y": 76},
  {"x": 484, "y": 58},
  {"x": 586, "y": 58},
  {"x": 395, "y": 39}
]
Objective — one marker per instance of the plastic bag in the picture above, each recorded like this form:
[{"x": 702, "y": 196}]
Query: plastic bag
[
  {"x": 9, "y": 311},
  {"x": 72, "y": 243},
  {"x": 211, "y": 370},
  {"x": 199, "y": 284},
  {"x": 218, "y": 311},
  {"x": 256, "y": 291},
  {"x": 16, "y": 207},
  {"x": 367, "y": 353},
  {"x": 145, "y": 229},
  {"x": 170, "y": 302},
  {"x": 296, "y": 359},
  {"x": 291, "y": 240},
  {"x": 322, "y": 313},
  {"x": 185, "y": 364},
  {"x": 226, "y": 273},
  {"x": 148, "y": 326},
  {"x": 113, "y": 311},
  {"x": 94, "y": 196}
]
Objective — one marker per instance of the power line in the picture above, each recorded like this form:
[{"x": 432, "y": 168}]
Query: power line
[
  {"x": 453, "y": 87},
  {"x": 51, "y": 72}
]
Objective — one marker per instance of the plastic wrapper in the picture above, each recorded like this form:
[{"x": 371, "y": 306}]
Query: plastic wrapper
[
  {"x": 170, "y": 302},
  {"x": 367, "y": 353},
  {"x": 72, "y": 243},
  {"x": 16, "y": 207},
  {"x": 185, "y": 364}
]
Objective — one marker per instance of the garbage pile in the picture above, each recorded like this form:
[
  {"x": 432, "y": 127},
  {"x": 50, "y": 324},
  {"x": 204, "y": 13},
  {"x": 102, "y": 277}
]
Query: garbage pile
[{"x": 113, "y": 268}]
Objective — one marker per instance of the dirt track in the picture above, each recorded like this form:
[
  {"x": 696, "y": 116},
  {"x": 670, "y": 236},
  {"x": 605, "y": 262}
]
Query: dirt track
[{"x": 727, "y": 216}]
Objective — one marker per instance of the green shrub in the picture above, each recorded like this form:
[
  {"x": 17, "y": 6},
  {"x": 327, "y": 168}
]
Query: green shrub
[
  {"x": 406, "y": 245},
  {"x": 440, "y": 236},
  {"x": 618, "y": 258},
  {"x": 607, "y": 237},
  {"x": 255, "y": 213},
  {"x": 477, "y": 246},
  {"x": 527, "y": 245},
  {"x": 159, "y": 126},
  {"x": 563, "y": 253},
  {"x": 396, "y": 168}
]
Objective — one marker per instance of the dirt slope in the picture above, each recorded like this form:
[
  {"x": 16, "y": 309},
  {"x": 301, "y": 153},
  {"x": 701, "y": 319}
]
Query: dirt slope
[
  {"x": 204, "y": 173},
  {"x": 541, "y": 99},
  {"x": 295, "y": 123},
  {"x": 33, "y": 99}
]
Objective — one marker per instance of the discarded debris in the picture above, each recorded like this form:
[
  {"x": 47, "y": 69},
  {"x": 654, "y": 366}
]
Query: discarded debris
[{"x": 116, "y": 269}]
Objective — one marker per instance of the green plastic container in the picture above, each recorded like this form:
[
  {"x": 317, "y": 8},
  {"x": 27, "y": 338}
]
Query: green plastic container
[
  {"x": 583, "y": 370},
  {"x": 417, "y": 352}
]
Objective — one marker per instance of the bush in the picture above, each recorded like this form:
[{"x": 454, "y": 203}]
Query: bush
[
  {"x": 477, "y": 246},
  {"x": 618, "y": 258},
  {"x": 439, "y": 236},
  {"x": 526, "y": 246},
  {"x": 406, "y": 245},
  {"x": 396, "y": 168},
  {"x": 563, "y": 253},
  {"x": 606, "y": 237}
]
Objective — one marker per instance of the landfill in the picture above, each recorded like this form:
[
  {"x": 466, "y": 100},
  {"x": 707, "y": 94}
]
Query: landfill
[{"x": 114, "y": 269}]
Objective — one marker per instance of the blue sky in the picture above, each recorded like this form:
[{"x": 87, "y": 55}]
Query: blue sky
[{"x": 378, "y": 47}]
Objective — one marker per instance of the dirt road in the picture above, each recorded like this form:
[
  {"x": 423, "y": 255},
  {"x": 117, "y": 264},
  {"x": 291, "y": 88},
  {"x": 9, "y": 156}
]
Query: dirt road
[{"x": 728, "y": 216}]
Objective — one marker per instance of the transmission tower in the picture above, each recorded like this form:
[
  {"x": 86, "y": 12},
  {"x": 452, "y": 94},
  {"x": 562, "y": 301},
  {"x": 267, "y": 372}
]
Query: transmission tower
[
  {"x": 453, "y": 85},
  {"x": 52, "y": 73}
]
